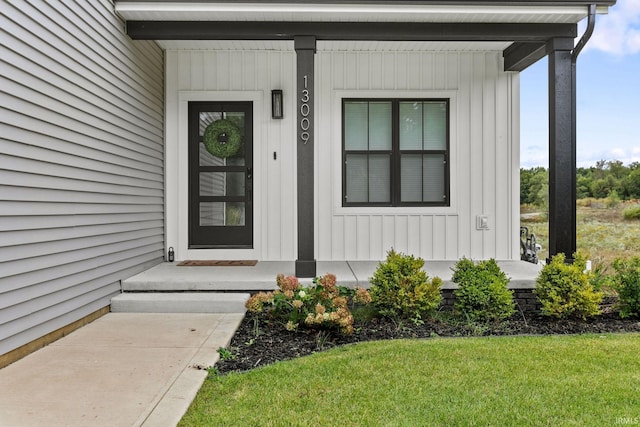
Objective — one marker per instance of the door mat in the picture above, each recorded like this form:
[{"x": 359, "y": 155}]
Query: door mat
[{"x": 218, "y": 263}]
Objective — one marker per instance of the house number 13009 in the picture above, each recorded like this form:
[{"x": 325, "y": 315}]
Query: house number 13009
[{"x": 304, "y": 112}]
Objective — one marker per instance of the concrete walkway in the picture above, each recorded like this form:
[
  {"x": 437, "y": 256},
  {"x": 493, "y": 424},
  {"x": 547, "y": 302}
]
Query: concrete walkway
[{"x": 123, "y": 369}]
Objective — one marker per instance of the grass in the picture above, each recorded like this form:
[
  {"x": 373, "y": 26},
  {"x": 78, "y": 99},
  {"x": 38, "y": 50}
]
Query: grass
[
  {"x": 602, "y": 232},
  {"x": 588, "y": 380}
]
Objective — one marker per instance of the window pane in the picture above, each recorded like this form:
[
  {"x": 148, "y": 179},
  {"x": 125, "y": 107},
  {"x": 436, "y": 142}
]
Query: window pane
[
  {"x": 356, "y": 125},
  {"x": 379, "y": 178},
  {"x": 422, "y": 178},
  {"x": 411, "y": 178},
  {"x": 208, "y": 159},
  {"x": 410, "y": 126},
  {"x": 222, "y": 214},
  {"x": 433, "y": 168},
  {"x": 206, "y": 118},
  {"x": 222, "y": 183},
  {"x": 435, "y": 125},
  {"x": 368, "y": 178},
  {"x": 380, "y": 126},
  {"x": 357, "y": 180}
]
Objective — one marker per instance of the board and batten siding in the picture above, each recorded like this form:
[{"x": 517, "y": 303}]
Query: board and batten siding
[
  {"x": 81, "y": 162},
  {"x": 484, "y": 157},
  {"x": 484, "y": 146},
  {"x": 232, "y": 74}
]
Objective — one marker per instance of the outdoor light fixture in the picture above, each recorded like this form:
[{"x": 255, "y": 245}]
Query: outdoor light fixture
[{"x": 276, "y": 104}]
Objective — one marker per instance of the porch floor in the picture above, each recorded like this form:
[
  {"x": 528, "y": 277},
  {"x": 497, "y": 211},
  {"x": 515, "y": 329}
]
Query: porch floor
[{"x": 169, "y": 277}]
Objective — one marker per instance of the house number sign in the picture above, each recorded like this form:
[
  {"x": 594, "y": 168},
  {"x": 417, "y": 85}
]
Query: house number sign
[{"x": 305, "y": 110}]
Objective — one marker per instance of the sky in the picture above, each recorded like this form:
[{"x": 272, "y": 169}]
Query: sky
[{"x": 608, "y": 94}]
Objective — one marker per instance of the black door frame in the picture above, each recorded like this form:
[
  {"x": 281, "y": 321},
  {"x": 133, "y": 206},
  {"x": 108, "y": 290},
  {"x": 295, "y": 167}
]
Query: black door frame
[{"x": 219, "y": 237}]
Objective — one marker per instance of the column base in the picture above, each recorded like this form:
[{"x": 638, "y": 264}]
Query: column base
[{"x": 306, "y": 268}]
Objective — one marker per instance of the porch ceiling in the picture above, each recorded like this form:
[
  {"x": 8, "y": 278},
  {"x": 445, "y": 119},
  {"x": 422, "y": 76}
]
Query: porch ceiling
[
  {"x": 525, "y": 27},
  {"x": 567, "y": 12}
]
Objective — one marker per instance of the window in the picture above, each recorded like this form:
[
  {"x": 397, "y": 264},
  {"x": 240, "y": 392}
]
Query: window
[{"x": 395, "y": 152}]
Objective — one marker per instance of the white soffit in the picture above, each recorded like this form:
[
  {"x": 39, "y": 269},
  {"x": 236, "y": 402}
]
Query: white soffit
[{"x": 345, "y": 12}]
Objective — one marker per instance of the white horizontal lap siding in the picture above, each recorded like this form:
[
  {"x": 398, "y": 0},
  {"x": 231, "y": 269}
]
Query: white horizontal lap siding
[
  {"x": 227, "y": 74},
  {"x": 81, "y": 163},
  {"x": 482, "y": 141}
]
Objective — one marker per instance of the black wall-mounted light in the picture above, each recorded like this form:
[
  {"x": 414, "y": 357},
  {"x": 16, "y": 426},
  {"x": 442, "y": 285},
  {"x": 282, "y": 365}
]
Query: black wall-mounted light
[{"x": 276, "y": 104}]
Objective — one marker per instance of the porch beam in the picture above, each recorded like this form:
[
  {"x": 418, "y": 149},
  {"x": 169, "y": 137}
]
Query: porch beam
[
  {"x": 380, "y": 31},
  {"x": 562, "y": 149},
  {"x": 305, "y": 47},
  {"x": 519, "y": 56}
]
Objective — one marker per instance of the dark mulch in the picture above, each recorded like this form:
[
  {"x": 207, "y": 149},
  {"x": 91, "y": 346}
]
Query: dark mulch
[{"x": 261, "y": 341}]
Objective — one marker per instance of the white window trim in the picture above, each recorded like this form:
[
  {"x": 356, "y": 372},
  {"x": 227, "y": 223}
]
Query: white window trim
[{"x": 338, "y": 209}]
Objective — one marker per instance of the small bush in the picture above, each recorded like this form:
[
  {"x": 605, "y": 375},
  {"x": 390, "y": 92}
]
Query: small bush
[
  {"x": 400, "y": 288},
  {"x": 482, "y": 292},
  {"x": 600, "y": 279},
  {"x": 632, "y": 212},
  {"x": 585, "y": 203},
  {"x": 627, "y": 283},
  {"x": 613, "y": 199},
  {"x": 325, "y": 305},
  {"x": 565, "y": 290}
]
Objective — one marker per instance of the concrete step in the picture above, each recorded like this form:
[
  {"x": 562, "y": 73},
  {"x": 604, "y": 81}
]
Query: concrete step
[{"x": 179, "y": 302}]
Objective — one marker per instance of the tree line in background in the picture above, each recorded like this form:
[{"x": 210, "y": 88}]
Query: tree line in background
[{"x": 607, "y": 179}]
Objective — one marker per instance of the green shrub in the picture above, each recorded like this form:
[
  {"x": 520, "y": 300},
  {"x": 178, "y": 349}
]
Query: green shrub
[
  {"x": 600, "y": 279},
  {"x": 482, "y": 292},
  {"x": 325, "y": 305},
  {"x": 632, "y": 212},
  {"x": 564, "y": 290},
  {"x": 627, "y": 283},
  {"x": 400, "y": 288},
  {"x": 613, "y": 199}
]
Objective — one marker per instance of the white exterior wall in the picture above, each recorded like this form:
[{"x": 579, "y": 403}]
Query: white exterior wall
[
  {"x": 81, "y": 163},
  {"x": 236, "y": 75},
  {"x": 484, "y": 148},
  {"x": 484, "y": 155}
]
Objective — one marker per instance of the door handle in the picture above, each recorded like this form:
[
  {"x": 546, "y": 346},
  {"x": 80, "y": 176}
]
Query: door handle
[{"x": 249, "y": 185}]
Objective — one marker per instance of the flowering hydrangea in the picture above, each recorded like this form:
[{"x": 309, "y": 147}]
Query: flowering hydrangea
[
  {"x": 256, "y": 303},
  {"x": 291, "y": 326},
  {"x": 322, "y": 305},
  {"x": 362, "y": 296},
  {"x": 288, "y": 283}
]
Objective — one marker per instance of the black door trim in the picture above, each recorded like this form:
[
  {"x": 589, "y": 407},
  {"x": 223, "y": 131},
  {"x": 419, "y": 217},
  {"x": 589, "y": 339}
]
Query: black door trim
[{"x": 219, "y": 237}]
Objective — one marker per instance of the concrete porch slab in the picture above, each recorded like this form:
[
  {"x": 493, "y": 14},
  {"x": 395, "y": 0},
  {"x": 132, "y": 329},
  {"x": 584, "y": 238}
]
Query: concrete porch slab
[
  {"x": 342, "y": 270},
  {"x": 168, "y": 277}
]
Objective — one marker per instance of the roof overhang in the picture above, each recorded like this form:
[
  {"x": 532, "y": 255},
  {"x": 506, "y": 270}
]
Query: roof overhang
[
  {"x": 526, "y": 25},
  {"x": 567, "y": 12}
]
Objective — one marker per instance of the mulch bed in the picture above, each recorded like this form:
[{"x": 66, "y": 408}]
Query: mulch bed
[{"x": 260, "y": 340}]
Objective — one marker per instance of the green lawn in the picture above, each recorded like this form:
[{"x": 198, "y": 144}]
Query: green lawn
[{"x": 589, "y": 380}]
